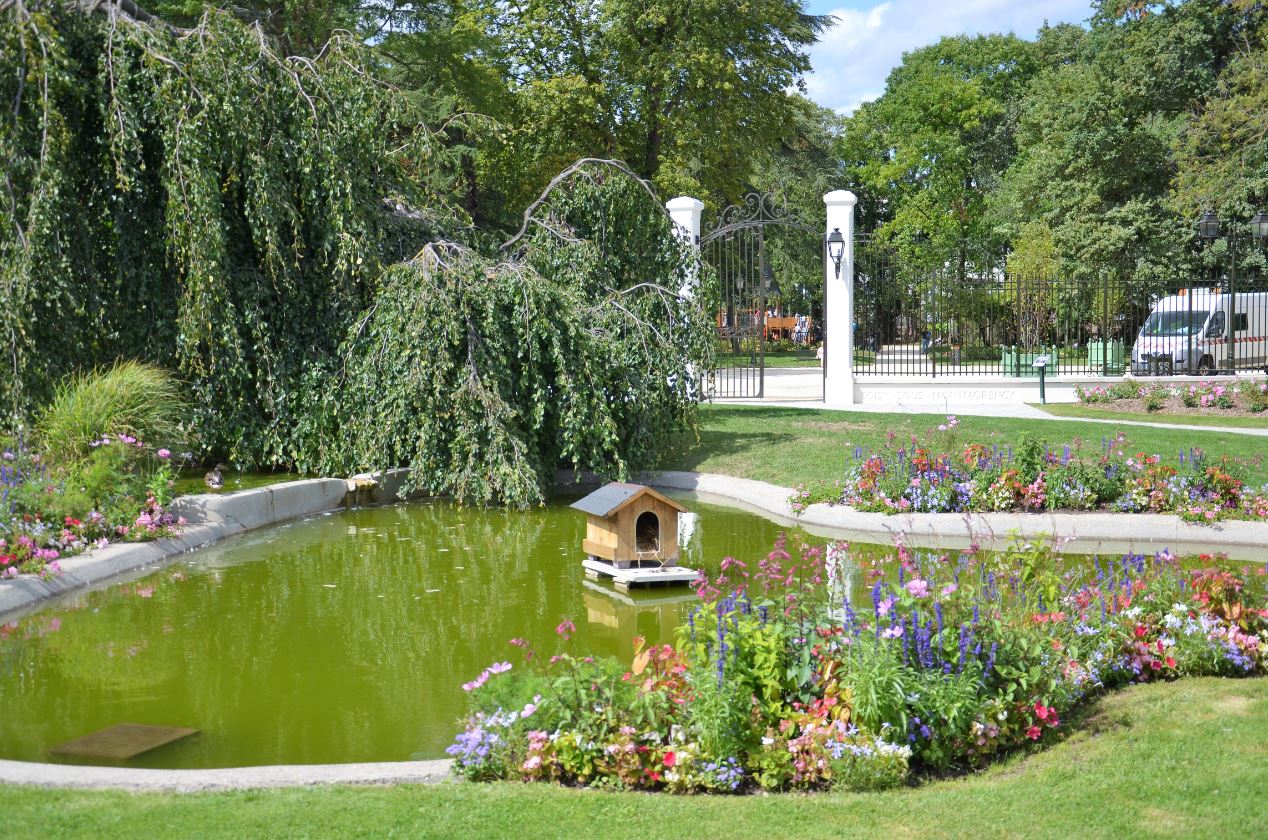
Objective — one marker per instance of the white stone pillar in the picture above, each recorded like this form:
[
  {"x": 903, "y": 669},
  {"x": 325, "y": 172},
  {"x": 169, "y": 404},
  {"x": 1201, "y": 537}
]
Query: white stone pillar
[
  {"x": 685, "y": 211},
  {"x": 838, "y": 304}
]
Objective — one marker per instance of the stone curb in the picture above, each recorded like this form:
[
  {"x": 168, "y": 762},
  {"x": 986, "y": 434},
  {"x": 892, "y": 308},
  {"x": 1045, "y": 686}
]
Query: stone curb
[
  {"x": 1093, "y": 532},
  {"x": 210, "y": 518},
  {"x": 231, "y": 778}
]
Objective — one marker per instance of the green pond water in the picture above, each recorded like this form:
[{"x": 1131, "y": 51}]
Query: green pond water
[{"x": 338, "y": 638}]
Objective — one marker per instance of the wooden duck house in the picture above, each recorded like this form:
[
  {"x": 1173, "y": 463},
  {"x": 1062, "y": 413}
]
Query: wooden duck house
[
  {"x": 632, "y": 536},
  {"x": 629, "y": 524}
]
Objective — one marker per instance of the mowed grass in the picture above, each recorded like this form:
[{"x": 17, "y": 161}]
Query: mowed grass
[
  {"x": 1183, "y": 759},
  {"x": 1206, "y": 419},
  {"x": 787, "y": 446}
]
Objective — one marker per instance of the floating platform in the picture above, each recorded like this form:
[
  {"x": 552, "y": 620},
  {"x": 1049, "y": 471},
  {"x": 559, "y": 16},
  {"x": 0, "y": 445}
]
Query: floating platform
[{"x": 635, "y": 575}]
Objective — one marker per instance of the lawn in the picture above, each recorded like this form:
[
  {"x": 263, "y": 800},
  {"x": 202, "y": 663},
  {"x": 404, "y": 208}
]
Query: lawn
[
  {"x": 774, "y": 358},
  {"x": 790, "y": 445},
  {"x": 1211, "y": 418},
  {"x": 1187, "y": 758}
]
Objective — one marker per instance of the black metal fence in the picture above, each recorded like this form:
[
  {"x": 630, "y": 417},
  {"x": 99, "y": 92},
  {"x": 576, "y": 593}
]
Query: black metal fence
[{"x": 960, "y": 321}]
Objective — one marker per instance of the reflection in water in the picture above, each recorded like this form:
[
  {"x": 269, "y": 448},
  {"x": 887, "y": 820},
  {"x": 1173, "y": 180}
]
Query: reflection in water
[{"x": 344, "y": 637}]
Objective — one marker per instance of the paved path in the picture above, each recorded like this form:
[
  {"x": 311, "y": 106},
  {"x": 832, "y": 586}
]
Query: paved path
[{"x": 803, "y": 388}]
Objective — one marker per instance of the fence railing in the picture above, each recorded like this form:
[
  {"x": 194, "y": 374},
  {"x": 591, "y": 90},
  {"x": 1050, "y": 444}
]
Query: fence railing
[{"x": 947, "y": 322}]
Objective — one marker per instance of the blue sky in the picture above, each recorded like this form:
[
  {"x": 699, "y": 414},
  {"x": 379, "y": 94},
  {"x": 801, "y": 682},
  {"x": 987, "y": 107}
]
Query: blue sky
[{"x": 852, "y": 60}]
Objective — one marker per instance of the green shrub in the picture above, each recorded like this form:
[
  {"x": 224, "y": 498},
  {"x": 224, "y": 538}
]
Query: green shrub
[
  {"x": 1154, "y": 399},
  {"x": 1256, "y": 394},
  {"x": 130, "y": 398}
]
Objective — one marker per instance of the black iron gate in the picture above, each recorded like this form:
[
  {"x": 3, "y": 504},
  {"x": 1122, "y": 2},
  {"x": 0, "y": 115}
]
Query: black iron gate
[
  {"x": 971, "y": 318},
  {"x": 769, "y": 267}
]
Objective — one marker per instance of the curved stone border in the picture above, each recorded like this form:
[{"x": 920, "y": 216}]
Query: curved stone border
[
  {"x": 214, "y": 517},
  {"x": 1093, "y": 532},
  {"x": 229, "y": 778},
  {"x": 210, "y": 517}
]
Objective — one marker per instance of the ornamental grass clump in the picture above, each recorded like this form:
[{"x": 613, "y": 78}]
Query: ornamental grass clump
[
  {"x": 937, "y": 474},
  {"x": 129, "y": 398},
  {"x": 781, "y": 681}
]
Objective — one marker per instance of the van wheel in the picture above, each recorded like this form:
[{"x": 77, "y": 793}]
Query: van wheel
[{"x": 1207, "y": 365}]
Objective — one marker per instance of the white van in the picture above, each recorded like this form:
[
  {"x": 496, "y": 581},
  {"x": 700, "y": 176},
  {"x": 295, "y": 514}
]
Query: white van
[{"x": 1193, "y": 325}]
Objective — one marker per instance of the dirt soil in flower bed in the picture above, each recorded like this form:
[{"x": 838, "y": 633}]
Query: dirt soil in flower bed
[{"x": 1173, "y": 406}]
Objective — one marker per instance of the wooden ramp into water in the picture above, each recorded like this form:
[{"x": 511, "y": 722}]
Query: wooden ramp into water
[
  {"x": 122, "y": 742},
  {"x": 648, "y": 575}
]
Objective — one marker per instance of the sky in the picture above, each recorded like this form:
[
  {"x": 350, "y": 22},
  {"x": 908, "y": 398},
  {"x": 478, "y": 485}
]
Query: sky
[{"x": 853, "y": 58}]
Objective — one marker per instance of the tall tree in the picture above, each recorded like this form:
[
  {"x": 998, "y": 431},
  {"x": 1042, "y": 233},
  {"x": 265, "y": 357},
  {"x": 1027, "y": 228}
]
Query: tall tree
[
  {"x": 928, "y": 151},
  {"x": 1095, "y": 162},
  {"x": 686, "y": 93}
]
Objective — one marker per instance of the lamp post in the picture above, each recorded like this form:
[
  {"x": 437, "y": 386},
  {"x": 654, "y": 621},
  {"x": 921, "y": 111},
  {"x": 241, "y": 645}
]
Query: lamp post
[
  {"x": 1208, "y": 232},
  {"x": 836, "y": 249}
]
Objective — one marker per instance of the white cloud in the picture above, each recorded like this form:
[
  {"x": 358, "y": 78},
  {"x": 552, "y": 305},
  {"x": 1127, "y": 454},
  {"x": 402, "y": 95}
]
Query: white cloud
[{"x": 852, "y": 59}]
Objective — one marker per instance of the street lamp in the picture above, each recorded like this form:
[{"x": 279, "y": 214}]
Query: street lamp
[
  {"x": 836, "y": 249},
  {"x": 1208, "y": 226},
  {"x": 1208, "y": 232},
  {"x": 1259, "y": 226}
]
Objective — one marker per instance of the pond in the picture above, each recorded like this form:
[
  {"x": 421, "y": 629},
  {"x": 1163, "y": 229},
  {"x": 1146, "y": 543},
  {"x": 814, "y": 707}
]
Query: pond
[{"x": 343, "y": 637}]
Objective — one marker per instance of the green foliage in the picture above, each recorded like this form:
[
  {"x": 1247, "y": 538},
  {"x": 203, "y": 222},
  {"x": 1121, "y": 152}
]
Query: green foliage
[
  {"x": 932, "y": 146},
  {"x": 483, "y": 378},
  {"x": 689, "y": 94},
  {"x": 130, "y": 398},
  {"x": 169, "y": 193}
]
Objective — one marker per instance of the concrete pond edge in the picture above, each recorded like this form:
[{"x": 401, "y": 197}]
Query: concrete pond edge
[{"x": 213, "y": 517}]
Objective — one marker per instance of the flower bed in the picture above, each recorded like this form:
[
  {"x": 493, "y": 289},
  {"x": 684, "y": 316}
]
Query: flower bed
[
  {"x": 776, "y": 683},
  {"x": 117, "y": 493},
  {"x": 1238, "y": 398},
  {"x": 940, "y": 475}
]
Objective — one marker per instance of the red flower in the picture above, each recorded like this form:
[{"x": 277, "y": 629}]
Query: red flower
[
  {"x": 1033, "y": 733},
  {"x": 1171, "y": 662},
  {"x": 1042, "y": 711},
  {"x": 1155, "y": 664},
  {"x": 670, "y": 759},
  {"x": 1140, "y": 631}
]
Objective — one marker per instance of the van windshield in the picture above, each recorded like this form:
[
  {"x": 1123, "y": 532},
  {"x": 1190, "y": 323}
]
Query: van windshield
[{"x": 1174, "y": 323}]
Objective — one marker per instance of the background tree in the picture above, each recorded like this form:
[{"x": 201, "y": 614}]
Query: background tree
[
  {"x": 686, "y": 93},
  {"x": 930, "y": 149}
]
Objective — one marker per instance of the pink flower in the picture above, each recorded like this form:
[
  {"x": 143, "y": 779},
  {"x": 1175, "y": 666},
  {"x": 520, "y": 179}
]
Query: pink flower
[
  {"x": 893, "y": 632},
  {"x": 499, "y": 667},
  {"x": 565, "y": 629},
  {"x": 533, "y": 762},
  {"x": 164, "y": 454},
  {"x": 884, "y": 606},
  {"x": 918, "y": 588},
  {"x": 950, "y": 589},
  {"x": 1033, "y": 733},
  {"x": 1041, "y": 711}
]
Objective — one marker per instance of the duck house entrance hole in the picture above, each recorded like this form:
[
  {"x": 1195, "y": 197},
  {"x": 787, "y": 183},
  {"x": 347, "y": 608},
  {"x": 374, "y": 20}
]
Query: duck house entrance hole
[{"x": 647, "y": 533}]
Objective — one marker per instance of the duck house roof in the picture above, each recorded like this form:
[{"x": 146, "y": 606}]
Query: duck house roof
[{"x": 610, "y": 498}]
